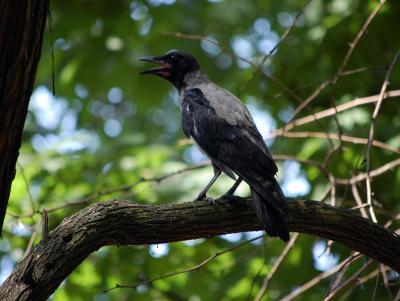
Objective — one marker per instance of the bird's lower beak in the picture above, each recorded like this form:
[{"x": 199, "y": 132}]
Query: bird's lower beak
[{"x": 164, "y": 71}]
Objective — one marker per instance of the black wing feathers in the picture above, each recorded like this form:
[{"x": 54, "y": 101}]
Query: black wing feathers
[
  {"x": 241, "y": 148},
  {"x": 223, "y": 141}
]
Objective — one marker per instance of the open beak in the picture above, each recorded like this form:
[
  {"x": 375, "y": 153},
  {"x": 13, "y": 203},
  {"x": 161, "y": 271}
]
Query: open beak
[{"x": 164, "y": 71}]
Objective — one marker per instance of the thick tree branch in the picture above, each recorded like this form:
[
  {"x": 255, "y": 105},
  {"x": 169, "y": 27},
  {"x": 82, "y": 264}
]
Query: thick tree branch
[
  {"x": 121, "y": 223},
  {"x": 22, "y": 24}
]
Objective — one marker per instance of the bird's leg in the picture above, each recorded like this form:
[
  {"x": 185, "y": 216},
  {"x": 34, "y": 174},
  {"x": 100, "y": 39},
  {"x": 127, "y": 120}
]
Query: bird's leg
[
  {"x": 234, "y": 202},
  {"x": 203, "y": 194},
  {"x": 231, "y": 191}
]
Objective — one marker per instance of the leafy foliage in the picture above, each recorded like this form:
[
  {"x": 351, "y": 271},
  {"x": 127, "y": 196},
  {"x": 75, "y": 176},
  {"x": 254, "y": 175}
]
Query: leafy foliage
[{"x": 107, "y": 128}]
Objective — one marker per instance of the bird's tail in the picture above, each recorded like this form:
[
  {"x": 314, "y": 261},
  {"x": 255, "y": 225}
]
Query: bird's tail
[{"x": 272, "y": 218}]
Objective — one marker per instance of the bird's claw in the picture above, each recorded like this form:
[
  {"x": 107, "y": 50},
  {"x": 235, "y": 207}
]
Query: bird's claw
[
  {"x": 210, "y": 200},
  {"x": 234, "y": 201}
]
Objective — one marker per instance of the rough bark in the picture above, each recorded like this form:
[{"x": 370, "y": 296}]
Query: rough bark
[
  {"x": 115, "y": 222},
  {"x": 22, "y": 24}
]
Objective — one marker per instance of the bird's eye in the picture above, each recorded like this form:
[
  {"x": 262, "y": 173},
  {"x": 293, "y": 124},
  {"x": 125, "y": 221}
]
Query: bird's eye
[{"x": 172, "y": 57}]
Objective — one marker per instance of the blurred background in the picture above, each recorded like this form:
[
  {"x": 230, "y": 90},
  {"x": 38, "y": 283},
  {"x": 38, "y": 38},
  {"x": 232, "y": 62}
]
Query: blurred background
[{"x": 97, "y": 130}]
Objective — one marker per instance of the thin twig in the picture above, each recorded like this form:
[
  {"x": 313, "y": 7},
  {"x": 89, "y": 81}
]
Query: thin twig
[
  {"x": 349, "y": 281},
  {"x": 358, "y": 200},
  {"x": 371, "y": 135},
  {"x": 275, "y": 267},
  {"x": 122, "y": 188},
  {"x": 373, "y": 173},
  {"x": 340, "y": 108},
  {"x": 337, "y": 279},
  {"x": 192, "y": 269},
  {"x": 30, "y": 243},
  {"x": 327, "y": 192},
  {"x": 27, "y": 186},
  {"x": 382, "y": 270},
  {"x": 353, "y": 44},
  {"x": 333, "y": 136},
  {"x": 397, "y": 298},
  {"x": 357, "y": 178},
  {"x": 318, "y": 84},
  {"x": 253, "y": 282},
  {"x": 333, "y": 190},
  {"x": 319, "y": 278},
  {"x": 227, "y": 50},
  {"x": 375, "y": 287},
  {"x": 282, "y": 39},
  {"x": 340, "y": 71}
]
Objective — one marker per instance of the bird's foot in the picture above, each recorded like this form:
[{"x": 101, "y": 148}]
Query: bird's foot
[
  {"x": 210, "y": 200},
  {"x": 235, "y": 202}
]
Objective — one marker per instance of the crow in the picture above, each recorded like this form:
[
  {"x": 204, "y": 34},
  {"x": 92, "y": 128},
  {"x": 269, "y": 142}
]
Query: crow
[{"x": 224, "y": 130}]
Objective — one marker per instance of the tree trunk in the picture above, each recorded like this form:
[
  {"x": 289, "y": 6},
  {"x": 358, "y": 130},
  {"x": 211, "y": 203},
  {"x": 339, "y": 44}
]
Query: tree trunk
[
  {"x": 115, "y": 222},
  {"x": 22, "y": 24}
]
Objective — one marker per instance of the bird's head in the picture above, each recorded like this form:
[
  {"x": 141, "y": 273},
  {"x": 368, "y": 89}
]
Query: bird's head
[{"x": 174, "y": 66}]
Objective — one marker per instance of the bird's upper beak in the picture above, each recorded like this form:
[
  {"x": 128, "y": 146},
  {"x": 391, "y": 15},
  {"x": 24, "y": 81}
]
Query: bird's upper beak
[{"x": 164, "y": 71}]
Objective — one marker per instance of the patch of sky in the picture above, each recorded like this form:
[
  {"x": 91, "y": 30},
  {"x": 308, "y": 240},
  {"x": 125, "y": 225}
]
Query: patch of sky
[
  {"x": 167, "y": 114},
  {"x": 194, "y": 242},
  {"x": 5, "y": 246},
  {"x": 52, "y": 113},
  {"x": 64, "y": 144},
  {"x": 81, "y": 91},
  {"x": 223, "y": 61},
  {"x": 47, "y": 109},
  {"x": 69, "y": 122},
  {"x": 209, "y": 47},
  {"x": 193, "y": 155},
  {"x": 62, "y": 44},
  {"x": 101, "y": 297},
  {"x": 20, "y": 229},
  {"x": 285, "y": 114},
  {"x": 112, "y": 127},
  {"x": 236, "y": 237},
  {"x": 323, "y": 260},
  {"x": 262, "y": 118},
  {"x": 173, "y": 97},
  {"x": 141, "y": 289},
  {"x": 145, "y": 27},
  {"x": 285, "y": 19},
  {"x": 160, "y": 2},
  {"x": 268, "y": 42},
  {"x": 97, "y": 28},
  {"x": 106, "y": 167},
  {"x": 107, "y": 111},
  {"x": 232, "y": 237},
  {"x": 6, "y": 267},
  {"x": 115, "y": 95},
  {"x": 261, "y": 26},
  {"x": 254, "y": 234},
  {"x": 393, "y": 275},
  {"x": 243, "y": 48},
  {"x": 139, "y": 11},
  {"x": 294, "y": 182},
  {"x": 158, "y": 250}
]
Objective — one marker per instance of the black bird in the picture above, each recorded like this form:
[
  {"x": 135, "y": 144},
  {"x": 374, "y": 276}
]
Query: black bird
[{"x": 224, "y": 130}]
